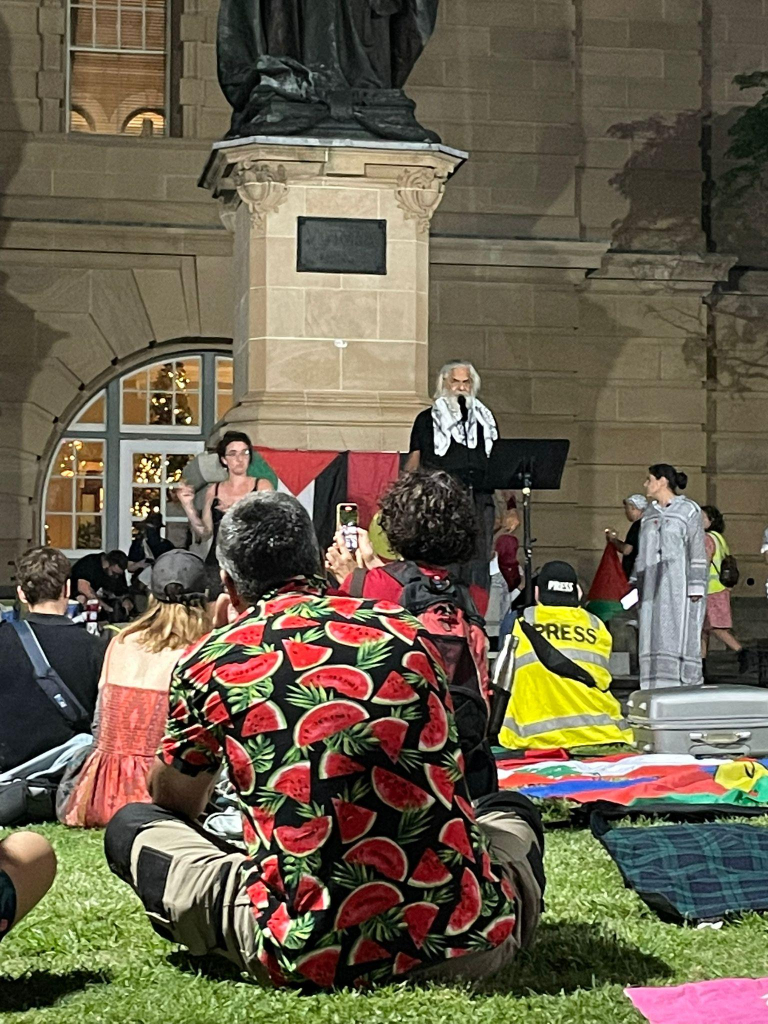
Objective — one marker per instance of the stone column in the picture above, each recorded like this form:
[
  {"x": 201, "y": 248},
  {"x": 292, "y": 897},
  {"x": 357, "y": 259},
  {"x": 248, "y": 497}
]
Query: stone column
[{"x": 329, "y": 360}]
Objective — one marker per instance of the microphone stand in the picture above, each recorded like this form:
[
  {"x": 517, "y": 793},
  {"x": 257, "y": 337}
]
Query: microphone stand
[
  {"x": 464, "y": 421},
  {"x": 528, "y": 540}
]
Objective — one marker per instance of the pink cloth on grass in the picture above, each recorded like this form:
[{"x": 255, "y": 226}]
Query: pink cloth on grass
[{"x": 726, "y": 1001}]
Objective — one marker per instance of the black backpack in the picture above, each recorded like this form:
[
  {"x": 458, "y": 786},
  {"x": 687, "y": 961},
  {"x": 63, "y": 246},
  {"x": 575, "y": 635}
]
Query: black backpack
[
  {"x": 448, "y": 614},
  {"x": 729, "y": 572}
]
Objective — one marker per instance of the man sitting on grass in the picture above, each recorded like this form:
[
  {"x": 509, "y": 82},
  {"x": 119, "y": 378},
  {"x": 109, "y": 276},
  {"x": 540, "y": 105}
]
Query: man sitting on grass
[
  {"x": 365, "y": 862},
  {"x": 31, "y": 721}
]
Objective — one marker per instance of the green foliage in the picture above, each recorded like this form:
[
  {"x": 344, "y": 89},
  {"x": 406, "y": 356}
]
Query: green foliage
[
  {"x": 87, "y": 955},
  {"x": 748, "y": 151}
]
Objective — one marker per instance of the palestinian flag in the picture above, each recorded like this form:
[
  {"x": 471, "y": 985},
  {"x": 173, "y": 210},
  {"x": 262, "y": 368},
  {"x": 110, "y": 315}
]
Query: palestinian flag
[
  {"x": 321, "y": 480},
  {"x": 608, "y": 587}
]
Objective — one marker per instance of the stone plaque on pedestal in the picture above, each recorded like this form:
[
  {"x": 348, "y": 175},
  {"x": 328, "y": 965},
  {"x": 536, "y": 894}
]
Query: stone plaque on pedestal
[{"x": 335, "y": 357}]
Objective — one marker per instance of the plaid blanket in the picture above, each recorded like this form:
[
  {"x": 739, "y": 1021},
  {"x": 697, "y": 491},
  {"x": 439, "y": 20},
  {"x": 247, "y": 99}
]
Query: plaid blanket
[
  {"x": 692, "y": 872},
  {"x": 647, "y": 779}
]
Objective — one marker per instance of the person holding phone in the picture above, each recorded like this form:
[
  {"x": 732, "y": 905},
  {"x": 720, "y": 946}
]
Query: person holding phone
[
  {"x": 235, "y": 453},
  {"x": 347, "y": 521}
]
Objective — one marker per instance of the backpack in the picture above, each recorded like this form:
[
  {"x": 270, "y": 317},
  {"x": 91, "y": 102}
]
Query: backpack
[
  {"x": 729, "y": 574},
  {"x": 449, "y": 616}
]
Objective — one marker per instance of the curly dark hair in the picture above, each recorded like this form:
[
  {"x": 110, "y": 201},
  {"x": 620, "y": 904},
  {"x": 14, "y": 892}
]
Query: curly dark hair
[
  {"x": 430, "y": 518},
  {"x": 715, "y": 516},
  {"x": 229, "y": 438},
  {"x": 42, "y": 573}
]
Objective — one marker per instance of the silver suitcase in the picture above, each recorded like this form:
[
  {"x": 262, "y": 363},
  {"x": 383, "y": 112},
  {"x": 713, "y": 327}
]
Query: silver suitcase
[{"x": 706, "y": 721}]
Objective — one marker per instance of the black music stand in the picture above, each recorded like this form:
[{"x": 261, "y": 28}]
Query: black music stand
[{"x": 527, "y": 465}]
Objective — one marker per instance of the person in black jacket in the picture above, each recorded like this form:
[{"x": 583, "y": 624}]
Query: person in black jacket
[{"x": 30, "y": 723}]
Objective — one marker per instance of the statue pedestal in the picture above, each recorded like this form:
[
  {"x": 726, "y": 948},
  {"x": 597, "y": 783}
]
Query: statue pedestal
[{"x": 327, "y": 357}]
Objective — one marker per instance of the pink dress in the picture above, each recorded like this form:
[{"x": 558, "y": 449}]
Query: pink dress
[
  {"x": 131, "y": 716},
  {"x": 718, "y": 605}
]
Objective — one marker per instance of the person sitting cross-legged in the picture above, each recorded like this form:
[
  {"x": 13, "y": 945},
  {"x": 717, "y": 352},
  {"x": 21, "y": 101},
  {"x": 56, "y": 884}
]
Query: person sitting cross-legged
[
  {"x": 560, "y": 695},
  {"x": 365, "y": 863}
]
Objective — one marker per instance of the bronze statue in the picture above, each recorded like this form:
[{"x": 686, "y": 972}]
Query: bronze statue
[{"x": 325, "y": 68}]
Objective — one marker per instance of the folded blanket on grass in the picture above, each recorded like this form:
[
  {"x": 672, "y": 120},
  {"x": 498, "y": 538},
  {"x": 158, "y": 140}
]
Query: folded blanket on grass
[
  {"x": 726, "y": 1001},
  {"x": 633, "y": 779}
]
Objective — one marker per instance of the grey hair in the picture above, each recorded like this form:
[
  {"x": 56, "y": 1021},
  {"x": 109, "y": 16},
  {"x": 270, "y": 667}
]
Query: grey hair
[
  {"x": 453, "y": 365},
  {"x": 264, "y": 540}
]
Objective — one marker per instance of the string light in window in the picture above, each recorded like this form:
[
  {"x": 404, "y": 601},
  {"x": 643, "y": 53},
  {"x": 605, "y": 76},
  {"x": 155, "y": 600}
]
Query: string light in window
[{"x": 68, "y": 463}]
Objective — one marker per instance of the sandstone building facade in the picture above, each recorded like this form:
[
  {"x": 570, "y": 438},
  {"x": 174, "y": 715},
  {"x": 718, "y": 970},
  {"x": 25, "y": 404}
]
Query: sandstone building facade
[{"x": 575, "y": 258}]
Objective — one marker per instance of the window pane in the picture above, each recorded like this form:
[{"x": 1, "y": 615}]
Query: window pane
[
  {"x": 145, "y": 500},
  {"x": 186, "y": 409},
  {"x": 90, "y": 495},
  {"x": 88, "y": 533},
  {"x": 108, "y": 89},
  {"x": 161, "y": 377},
  {"x": 137, "y": 381},
  {"x": 58, "y": 531},
  {"x": 155, "y": 29},
  {"x": 131, "y": 34},
  {"x": 175, "y": 466},
  {"x": 225, "y": 374},
  {"x": 106, "y": 29},
  {"x": 187, "y": 374},
  {"x": 223, "y": 405},
  {"x": 147, "y": 468},
  {"x": 65, "y": 463},
  {"x": 161, "y": 408},
  {"x": 90, "y": 458},
  {"x": 59, "y": 495},
  {"x": 173, "y": 508},
  {"x": 94, "y": 413},
  {"x": 82, "y": 23},
  {"x": 134, "y": 407}
]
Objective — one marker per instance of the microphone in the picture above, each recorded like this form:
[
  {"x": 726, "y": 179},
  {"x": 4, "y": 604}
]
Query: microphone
[{"x": 463, "y": 407}]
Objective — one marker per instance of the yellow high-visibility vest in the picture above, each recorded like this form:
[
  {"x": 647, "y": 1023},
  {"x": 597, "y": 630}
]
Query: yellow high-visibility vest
[
  {"x": 547, "y": 710},
  {"x": 721, "y": 550}
]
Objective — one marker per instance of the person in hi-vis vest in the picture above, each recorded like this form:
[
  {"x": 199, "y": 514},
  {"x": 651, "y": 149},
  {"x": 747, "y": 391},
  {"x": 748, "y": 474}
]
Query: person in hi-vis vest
[{"x": 560, "y": 694}]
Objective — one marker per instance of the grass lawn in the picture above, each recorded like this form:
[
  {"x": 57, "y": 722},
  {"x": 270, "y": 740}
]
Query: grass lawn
[{"x": 87, "y": 956}]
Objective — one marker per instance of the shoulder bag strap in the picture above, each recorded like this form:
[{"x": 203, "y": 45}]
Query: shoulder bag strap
[
  {"x": 48, "y": 679},
  {"x": 357, "y": 583},
  {"x": 549, "y": 656}
]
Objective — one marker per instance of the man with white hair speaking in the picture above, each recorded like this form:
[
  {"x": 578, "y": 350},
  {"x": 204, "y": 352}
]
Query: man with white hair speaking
[{"x": 457, "y": 436}]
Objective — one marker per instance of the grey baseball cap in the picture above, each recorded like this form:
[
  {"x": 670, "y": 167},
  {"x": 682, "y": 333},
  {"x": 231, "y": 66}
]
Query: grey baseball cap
[{"x": 177, "y": 575}]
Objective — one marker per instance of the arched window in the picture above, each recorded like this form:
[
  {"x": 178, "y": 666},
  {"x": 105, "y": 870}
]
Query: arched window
[{"x": 125, "y": 450}]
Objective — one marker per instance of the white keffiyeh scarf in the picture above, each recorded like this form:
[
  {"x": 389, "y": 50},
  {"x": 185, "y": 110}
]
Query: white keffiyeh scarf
[{"x": 447, "y": 424}]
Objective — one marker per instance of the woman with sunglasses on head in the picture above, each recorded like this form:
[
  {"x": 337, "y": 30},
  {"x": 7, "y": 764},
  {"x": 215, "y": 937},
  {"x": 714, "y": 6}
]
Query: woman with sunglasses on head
[{"x": 235, "y": 453}]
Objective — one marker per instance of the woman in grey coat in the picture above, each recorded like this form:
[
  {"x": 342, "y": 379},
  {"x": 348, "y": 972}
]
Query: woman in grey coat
[{"x": 671, "y": 574}]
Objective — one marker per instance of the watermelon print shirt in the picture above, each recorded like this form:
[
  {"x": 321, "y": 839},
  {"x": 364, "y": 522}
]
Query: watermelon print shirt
[{"x": 333, "y": 717}]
